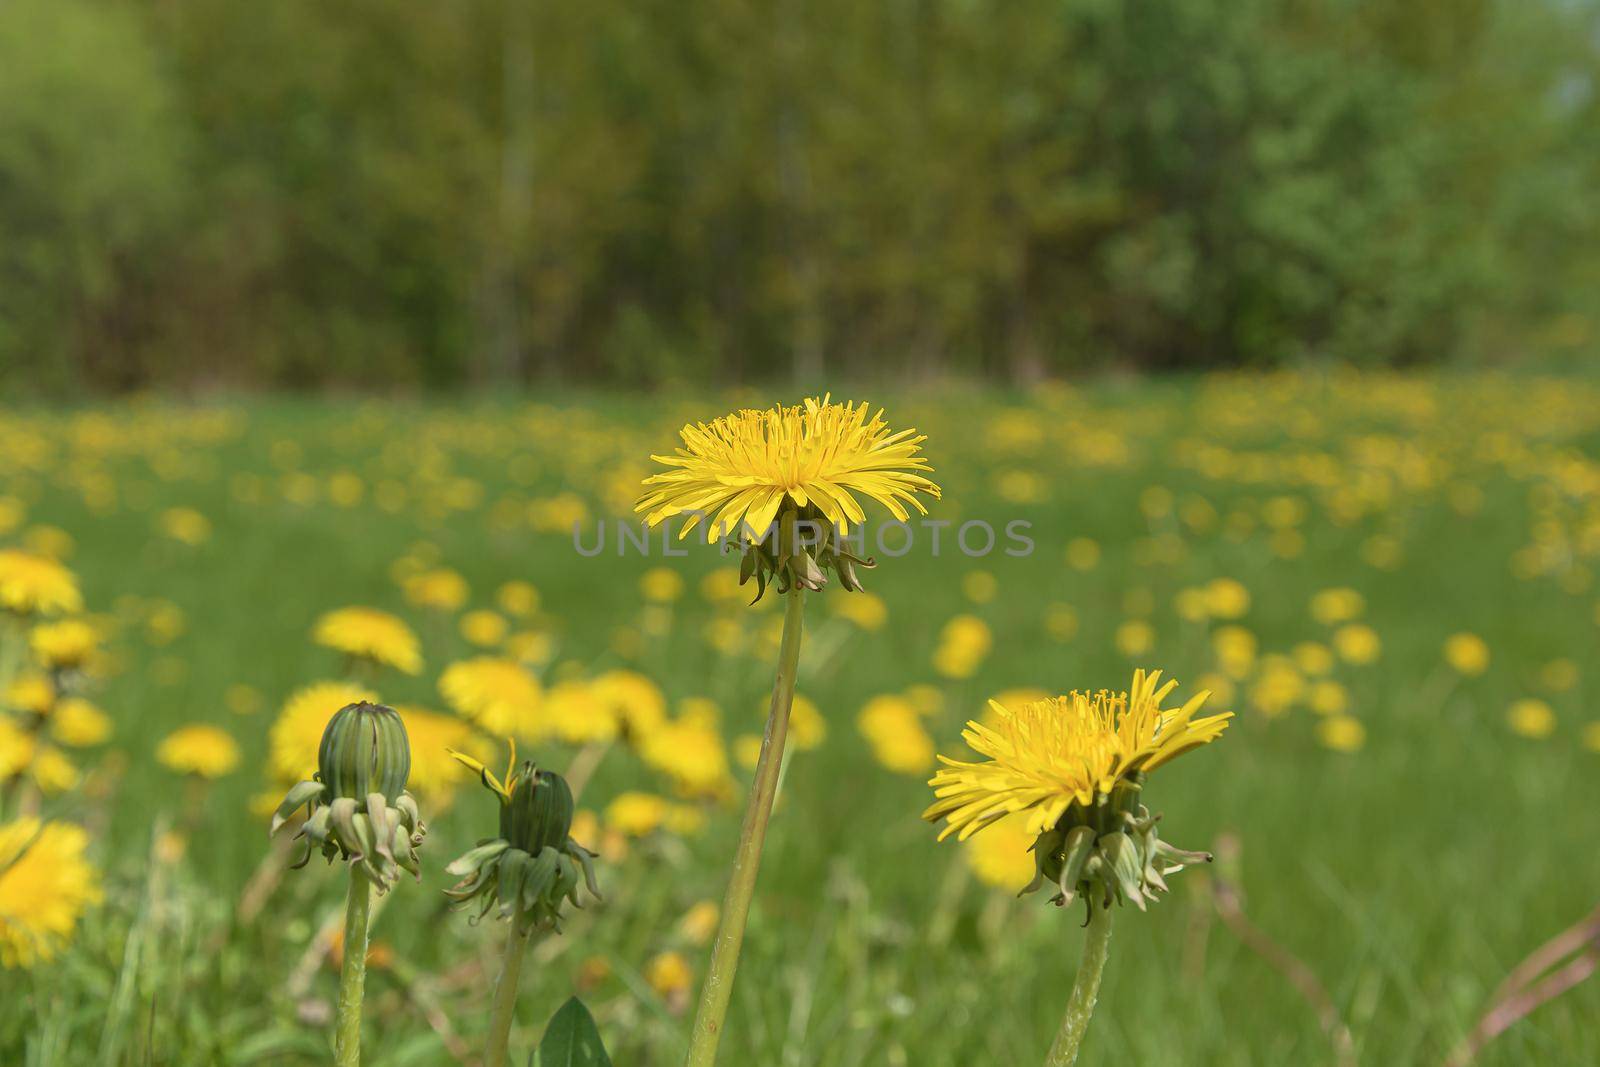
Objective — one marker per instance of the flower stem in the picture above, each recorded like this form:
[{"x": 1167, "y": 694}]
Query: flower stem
[
  {"x": 1080, "y": 1005},
  {"x": 718, "y": 989},
  {"x": 505, "y": 991},
  {"x": 353, "y": 972}
]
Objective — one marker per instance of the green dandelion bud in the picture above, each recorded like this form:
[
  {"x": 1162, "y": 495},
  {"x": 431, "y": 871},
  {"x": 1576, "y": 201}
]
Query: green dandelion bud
[
  {"x": 534, "y": 865},
  {"x": 356, "y": 806}
]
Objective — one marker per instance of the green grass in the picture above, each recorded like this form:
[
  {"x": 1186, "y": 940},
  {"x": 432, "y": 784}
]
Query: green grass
[{"x": 1410, "y": 876}]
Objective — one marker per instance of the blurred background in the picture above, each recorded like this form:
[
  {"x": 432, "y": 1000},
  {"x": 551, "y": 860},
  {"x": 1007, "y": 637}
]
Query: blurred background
[{"x": 387, "y": 194}]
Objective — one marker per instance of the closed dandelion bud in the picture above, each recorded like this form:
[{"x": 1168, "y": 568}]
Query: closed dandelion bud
[
  {"x": 364, "y": 750},
  {"x": 534, "y": 865},
  {"x": 356, "y": 807},
  {"x": 539, "y": 813}
]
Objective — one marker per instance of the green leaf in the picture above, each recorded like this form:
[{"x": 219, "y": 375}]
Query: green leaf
[{"x": 571, "y": 1040}]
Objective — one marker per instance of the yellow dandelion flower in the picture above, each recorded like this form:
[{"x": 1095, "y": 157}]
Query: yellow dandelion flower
[
  {"x": 185, "y": 525},
  {"x": 201, "y": 750},
  {"x": 980, "y": 587},
  {"x": 633, "y": 700},
  {"x": 1559, "y": 675},
  {"x": 669, "y": 975},
  {"x": 661, "y": 585},
  {"x": 1342, "y": 733},
  {"x": 517, "y": 598},
  {"x": 32, "y": 693},
  {"x": 35, "y": 584},
  {"x": 1226, "y": 598},
  {"x": 530, "y": 646},
  {"x": 46, "y": 884},
  {"x": 1235, "y": 649},
  {"x": 699, "y": 923},
  {"x": 1332, "y": 607},
  {"x": 1312, "y": 658},
  {"x": 64, "y": 645},
  {"x": 1591, "y": 736},
  {"x": 1083, "y": 554},
  {"x": 1467, "y": 654},
  {"x": 369, "y": 634},
  {"x": 435, "y": 774},
  {"x": 1532, "y": 719},
  {"x": 747, "y": 750},
  {"x": 484, "y": 628},
  {"x": 442, "y": 589},
  {"x": 636, "y": 814},
  {"x": 894, "y": 729},
  {"x": 807, "y": 728},
  {"x": 1357, "y": 643},
  {"x": 1135, "y": 638},
  {"x": 1002, "y": 855},
  {"x": 79, "y": 724},
  {"x": 572, "y": 712},
  {"x": 867, "y": 610},
  {"x": 1279, "y": 686},
  {"x": 500, "y": 695},
  {"x": 1329, "y": 698},
  {"x": 963, "y": 644},
  {"x": 1044, "y": 757},
  {"x": 740, "y": 469},
  {"x": 296, "y": 734},
  {"x": 692, "y": 754}
]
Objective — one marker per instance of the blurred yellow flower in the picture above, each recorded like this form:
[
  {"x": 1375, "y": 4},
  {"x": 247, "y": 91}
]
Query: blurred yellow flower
[
  {"x": 807, "y": 728},
  {"x": 1312, "y": 658},
  {"x": 1135, "y": 638},
  {"x": 1226, "y": 598},
  {"x": 1467, "y": 654},
  {"x": 747, "y": 750},
  {"x": 1342, "y": 733},
  {"x": 32, "y": 693},
  {"x": 46, "y": 884},
  {"x": 33, "y": 584},
  {"x": 736, "y": 472},
  {"x": 518, "y": 598},
  {"x": 1046, "y": 756},
  {"x": 661, "y": 585},
  {"x": 369, "y": 634},
  {"x": 1591, "y": 736},
  {"x": 186, "y": 525},
  {"x": 963, "y": 644},
  {"x": 1278, "y": 686},
  {"x": 980, "y": 587},
  {"x": 530, "y": 646},
  {"x": 296, "y": 734},
  {"x": 1328, "y": 698},
  {"x": 1357, "y": 643},
  {"x": 1235, "y": 649},
  {"x": 632, "y": 700},
  {"x": 894, "y": 730},
  {"x": 866, "y": 610},
  {"x": 483, "y": 628},
  {"x": 64, "y": 645},
  {"x": 1559, "y": 675},
  {"x": 1531, "y": 718},
  {"x": 243, "y": 699},
  {"x": 636, "y": 814},
  {"x": 699, "y": 923},
  {"x": 1061, "y": 622},
  {"x": 201, "y": 750},
  {"x": 668, "y": 975},
  {"x": 692, "y": 754},
  {"x": 1001, "y": 855},
  {"x": 441, "y": 589},
  {"x": 435, "y": 774},
  {"x": 572, "y": 712},
  {"x": 1334, "y": 606},
  {"x": 79, "y": 724},
  {"x": 499, "y": 695},
  {"x": 1082, "y": 554}
]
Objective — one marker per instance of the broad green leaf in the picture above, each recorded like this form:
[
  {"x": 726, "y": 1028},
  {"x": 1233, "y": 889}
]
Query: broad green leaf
[{"x": 571, "y": 1040}]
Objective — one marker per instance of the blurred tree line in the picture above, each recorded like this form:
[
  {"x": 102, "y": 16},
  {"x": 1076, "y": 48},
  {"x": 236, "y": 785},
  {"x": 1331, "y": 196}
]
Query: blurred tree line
[{"x": 384, "y": 191}]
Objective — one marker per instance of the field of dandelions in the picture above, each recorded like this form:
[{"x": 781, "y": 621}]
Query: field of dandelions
[{"x": 1389, "y": 579}]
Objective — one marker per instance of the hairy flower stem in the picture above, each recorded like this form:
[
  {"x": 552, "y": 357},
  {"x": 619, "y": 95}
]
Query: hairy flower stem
[
  {"x": 718, "y": 989},
  {"x": 353, "y": 973},
  {"x": 1080, "y": 1005},
  {"x": 505, "y": 991}
]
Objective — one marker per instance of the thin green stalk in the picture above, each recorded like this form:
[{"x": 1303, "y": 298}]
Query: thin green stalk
[
  {"x": 505, "y": 991},
  {"x": 1080, "y": 1005},
  {"x": 718, "y": 989},
  {"x": 353, "y": 975}
]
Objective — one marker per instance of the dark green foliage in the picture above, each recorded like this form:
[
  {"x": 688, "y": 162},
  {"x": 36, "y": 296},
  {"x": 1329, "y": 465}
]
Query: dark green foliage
[
  {"x": 389, "y": 193},
  {"x": 571, "y": 1040}
]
